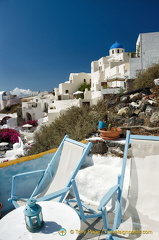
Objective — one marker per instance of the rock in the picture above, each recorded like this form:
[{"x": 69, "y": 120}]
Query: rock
[
  {"x": 139, "y": 121},
  {"x": 134, "y": 105},
  {"x": 99, "y": 147},
  {"x": 119, "y": 106},
  {"x": 110, "y": 143},
  {"x": 122, "y": 146},
  {"x": 136, "y": 112},
  {"x": 117, "y": 120},
  {"x": 143, "y": 106},
  {"x": 135, "y": 97},
  {"x": 110, "y": 103},
  {"x": 151, "y": 96},
  {"x": 124, "y": 111},
  {"x": 149, "y": 110},
  {"x": 153, "y": 103},
  {"x": 142, "y": 115},
  {"x": 124, "y": 99},
  {"x": 117, "y": 152},
  {"x": 154, "y": 117},
  {"x": 134, "y": 121},
  {"x": 131, "y": 121}
]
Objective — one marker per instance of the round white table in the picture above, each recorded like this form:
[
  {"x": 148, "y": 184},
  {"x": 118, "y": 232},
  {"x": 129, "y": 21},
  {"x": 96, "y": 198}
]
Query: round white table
[{"x": 59, "y": 220}]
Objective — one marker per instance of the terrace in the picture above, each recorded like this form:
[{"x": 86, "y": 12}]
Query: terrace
[{"x": 96, "y": 176}]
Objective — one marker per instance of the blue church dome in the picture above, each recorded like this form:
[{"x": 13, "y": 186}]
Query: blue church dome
[{"x": 116, "y": 45}]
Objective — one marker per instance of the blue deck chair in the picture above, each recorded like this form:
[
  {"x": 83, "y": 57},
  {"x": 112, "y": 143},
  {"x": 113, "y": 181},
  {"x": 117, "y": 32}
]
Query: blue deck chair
[
  {"x": 141, "y": 217},
  {"x": 102, "y": 212},
  {"x": 144, "y": 174},
  {"x": 56, "y": 180}
]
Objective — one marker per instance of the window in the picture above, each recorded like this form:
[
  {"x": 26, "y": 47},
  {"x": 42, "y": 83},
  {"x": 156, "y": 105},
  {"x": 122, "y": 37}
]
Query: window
[
  {"x": 112, "y": 51},
  {"x": 34, "y": 105},
  {"x": 66, "y": 91},
  {"x": 36, "y": 100},
  {"x": 117, "y": 50},
  {"x": 84, "y": 80}
]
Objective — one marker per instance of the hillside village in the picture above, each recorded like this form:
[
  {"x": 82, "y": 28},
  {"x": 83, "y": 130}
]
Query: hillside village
[
  {"x": 105, "y": 95},
  {"x": 111, "y": 75}
]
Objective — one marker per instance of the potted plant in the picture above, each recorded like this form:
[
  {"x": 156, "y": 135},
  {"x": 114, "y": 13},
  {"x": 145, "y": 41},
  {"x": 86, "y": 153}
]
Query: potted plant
[{"x": 110, "y": 133}]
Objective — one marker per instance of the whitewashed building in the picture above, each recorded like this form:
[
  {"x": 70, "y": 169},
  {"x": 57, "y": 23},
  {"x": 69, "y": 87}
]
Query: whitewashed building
[
  {"x": 110, "y": 71},
  {"x": 147, "y": 53},
  {"x": 68, "y": 88},
  {"x": 7, "y": 99},
  {"x": 34, "y": 108},
  {"x": 108, "y": 75}
]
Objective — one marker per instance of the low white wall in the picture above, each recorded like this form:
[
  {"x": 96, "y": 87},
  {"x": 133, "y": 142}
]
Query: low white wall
[
  {"x": 110, "y": 91},
  {"x": 64, "y": 104}
]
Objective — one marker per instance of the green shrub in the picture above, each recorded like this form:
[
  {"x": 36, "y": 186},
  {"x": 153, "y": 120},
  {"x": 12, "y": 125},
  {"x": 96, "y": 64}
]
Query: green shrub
[
  {"x": 77, "y": 122},
  {"x": 10, "y": 108},
  {"x": 84, "y": 86},
  {"x": 146, "y": 77}
]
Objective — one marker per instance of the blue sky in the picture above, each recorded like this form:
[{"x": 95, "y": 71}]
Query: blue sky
[{"x": 43, "y": 41}]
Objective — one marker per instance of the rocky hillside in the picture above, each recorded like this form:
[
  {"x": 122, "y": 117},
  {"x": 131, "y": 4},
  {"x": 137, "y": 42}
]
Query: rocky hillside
[{"x": 137, "y": 111}]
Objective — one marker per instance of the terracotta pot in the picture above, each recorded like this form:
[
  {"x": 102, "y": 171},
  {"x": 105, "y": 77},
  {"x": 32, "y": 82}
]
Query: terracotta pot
[{"x": 113, "y": 134}]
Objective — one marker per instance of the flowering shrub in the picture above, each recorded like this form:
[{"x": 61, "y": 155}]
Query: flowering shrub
[
  {"x": 9, "y": 135},
  {"x": 34, "y": 123}
]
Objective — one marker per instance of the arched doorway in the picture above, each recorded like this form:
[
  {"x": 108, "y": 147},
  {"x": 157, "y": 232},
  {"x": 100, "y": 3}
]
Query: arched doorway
[{"x": 28, "y": 116}]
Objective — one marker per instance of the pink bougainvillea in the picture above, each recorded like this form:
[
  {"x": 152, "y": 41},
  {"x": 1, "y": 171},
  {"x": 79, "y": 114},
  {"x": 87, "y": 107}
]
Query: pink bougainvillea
[
  {"x": 9, "y": 135},
  {"x": 34, "y": 123}
]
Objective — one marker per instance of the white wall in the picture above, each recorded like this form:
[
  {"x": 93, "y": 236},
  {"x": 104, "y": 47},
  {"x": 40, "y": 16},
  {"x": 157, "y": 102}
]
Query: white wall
[
  {"x": 87, "y": 94},
  {"x": 35, "y": 112},
  {"x": 60, "y": 106},
  {"x": 114, "y": 65},
  {"x": 52, "y": 115},
  {"x": 149, "y": 53},
  {"x": 75, "y": 81},
  {"x": 135, "y": 67},
  {"x": 64, "y": 104},
  {"x": 110, "y": 91},
  {"x": 150, "y": 49},
  {"x": 37, "y": 105}
]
